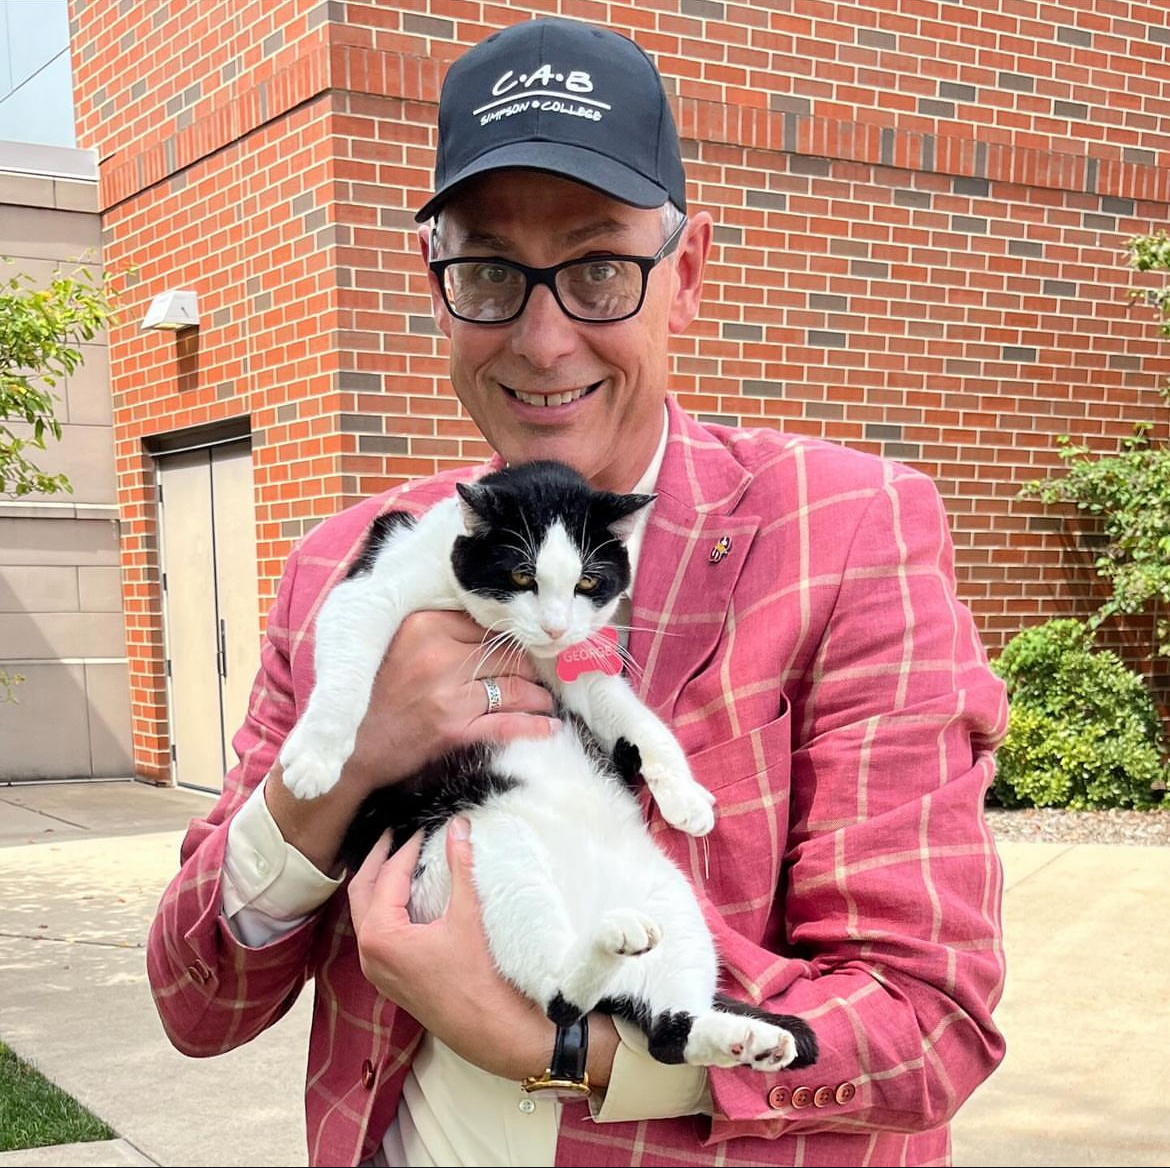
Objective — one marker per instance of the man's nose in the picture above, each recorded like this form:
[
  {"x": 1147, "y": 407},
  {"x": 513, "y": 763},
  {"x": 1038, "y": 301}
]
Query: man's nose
[{"x": 543, "y": 334}]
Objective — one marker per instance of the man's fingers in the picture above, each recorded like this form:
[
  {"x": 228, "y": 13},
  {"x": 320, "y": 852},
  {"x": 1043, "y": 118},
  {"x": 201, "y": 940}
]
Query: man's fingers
[
  {"x": 464, "y": 902},
  {"x": 383, "y": 885},
  {"x": 506, "y": 727}
]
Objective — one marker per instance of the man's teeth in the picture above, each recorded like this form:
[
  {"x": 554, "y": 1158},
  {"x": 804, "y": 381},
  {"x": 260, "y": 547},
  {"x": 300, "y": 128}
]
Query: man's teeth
[{"x": 550, "y": 399}]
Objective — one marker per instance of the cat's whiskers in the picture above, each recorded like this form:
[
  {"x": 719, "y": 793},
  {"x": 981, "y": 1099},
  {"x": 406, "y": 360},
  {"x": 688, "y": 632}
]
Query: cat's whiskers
[
  {"x": 528, "y": 539},
  {"x": 599, "y": 647},
  {"x": 593, "y": 552},
  {"x": 646, "y": 629},
  {"x": 495, "y": 639}
]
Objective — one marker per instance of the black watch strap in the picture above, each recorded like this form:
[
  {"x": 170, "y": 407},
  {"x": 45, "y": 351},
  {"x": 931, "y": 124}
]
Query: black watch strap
[
  {"x": 571, "y": 1051},
  {"x": 565, "y": 1077}
]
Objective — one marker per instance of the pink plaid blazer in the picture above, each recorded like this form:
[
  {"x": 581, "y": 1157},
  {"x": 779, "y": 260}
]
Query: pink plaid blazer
[{"x": 831, "y": 691}]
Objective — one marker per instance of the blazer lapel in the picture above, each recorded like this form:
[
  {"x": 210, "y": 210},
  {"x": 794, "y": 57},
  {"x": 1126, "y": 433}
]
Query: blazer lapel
[{"x": 692, "y": 554}]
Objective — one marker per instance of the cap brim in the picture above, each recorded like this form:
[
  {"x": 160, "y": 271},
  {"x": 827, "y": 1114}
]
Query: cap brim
[{"x": 571, "y": 162}]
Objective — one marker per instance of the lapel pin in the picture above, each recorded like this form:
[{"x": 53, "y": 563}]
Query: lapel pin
[{"x": 721, "y": 548}]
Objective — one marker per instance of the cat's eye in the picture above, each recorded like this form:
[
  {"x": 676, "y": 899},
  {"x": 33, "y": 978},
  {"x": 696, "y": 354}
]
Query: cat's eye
[
  {"x": 588, "y": 584},
  {"x": 522, "y": 579}
]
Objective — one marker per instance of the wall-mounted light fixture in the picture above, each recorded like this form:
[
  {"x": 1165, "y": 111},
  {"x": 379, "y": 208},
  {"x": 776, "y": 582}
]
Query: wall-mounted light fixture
[{"x": 172, "y": 311}]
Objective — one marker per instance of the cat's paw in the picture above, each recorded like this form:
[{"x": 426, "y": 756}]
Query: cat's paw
[
  {"x": 309, "y": 774},
  {"x": 735, "y": 1040},
  {"x": 684, "y": 803},
  {"x": 625, "y": 932}
]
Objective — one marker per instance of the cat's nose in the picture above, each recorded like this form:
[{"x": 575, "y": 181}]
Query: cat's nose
[{"x": 555, "y": 632}]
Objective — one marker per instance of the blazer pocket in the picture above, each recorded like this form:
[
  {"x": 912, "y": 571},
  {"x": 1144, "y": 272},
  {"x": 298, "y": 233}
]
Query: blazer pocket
[
  {"x": 766, "y": 749},
  {"x": 737, "y": 868}
]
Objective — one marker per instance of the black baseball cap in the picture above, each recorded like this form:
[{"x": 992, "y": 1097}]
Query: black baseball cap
[{"x": 562, "y": 97}]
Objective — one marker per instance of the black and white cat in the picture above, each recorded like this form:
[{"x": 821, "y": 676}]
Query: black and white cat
[{"x": 581, "y": 909}]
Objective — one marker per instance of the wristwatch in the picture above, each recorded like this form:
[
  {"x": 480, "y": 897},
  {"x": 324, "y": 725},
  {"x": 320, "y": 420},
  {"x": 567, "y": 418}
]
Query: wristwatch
[{"x": 565, "y": 1077}]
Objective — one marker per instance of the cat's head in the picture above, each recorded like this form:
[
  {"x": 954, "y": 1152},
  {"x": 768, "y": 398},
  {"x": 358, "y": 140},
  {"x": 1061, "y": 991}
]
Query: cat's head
[{"x": 544, "y": 555}]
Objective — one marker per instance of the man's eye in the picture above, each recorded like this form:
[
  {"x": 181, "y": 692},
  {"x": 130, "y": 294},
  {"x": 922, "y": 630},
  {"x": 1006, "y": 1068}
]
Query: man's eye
[
  {"x": 493, "y": 274},
  {"x": 600, "y": 272},
  {"x": 522, "y": 579}
]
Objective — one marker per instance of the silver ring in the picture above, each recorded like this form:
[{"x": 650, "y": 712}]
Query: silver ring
[{"x": 495, "y": 699}]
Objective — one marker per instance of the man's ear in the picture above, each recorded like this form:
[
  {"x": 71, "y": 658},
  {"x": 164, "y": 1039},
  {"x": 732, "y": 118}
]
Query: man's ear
[
  {"x": 438, "y": 309},
  {"x": 688, "y": 271}
]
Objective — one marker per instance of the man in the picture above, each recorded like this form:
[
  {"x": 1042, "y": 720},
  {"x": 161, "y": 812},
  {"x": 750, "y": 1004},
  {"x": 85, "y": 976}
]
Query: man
[{"x": 793, "y": 618}]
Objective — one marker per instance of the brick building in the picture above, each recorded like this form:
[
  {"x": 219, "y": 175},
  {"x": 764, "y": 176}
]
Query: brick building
[{"x": 921, "y": 212}]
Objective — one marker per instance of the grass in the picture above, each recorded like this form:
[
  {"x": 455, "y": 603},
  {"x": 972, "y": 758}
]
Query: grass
[{"x": 35, "y": 1114}]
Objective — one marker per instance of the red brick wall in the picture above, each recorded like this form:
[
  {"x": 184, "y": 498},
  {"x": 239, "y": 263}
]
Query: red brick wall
[{"x": 921, "y": 212}]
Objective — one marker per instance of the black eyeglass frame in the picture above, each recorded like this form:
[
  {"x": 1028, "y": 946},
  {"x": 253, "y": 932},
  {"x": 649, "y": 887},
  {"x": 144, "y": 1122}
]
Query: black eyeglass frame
[{"x": 547, "y": 278}]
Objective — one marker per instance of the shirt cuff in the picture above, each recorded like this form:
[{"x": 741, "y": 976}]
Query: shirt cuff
[
  {"x": 264, "y": 873},
  {"x": 640, "y": 1087}
]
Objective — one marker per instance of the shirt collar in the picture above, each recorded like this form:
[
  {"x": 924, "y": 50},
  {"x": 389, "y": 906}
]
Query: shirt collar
[{"x": 645, "y": 486}]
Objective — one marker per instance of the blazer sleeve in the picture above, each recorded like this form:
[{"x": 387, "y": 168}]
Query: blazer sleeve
[
  {"x": 886, "y": 933},
  {"x": 212, "y": 992}
]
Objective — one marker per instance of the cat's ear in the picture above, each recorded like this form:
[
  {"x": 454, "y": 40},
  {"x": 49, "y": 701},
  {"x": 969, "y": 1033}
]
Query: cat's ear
[
  {"x": 475, "y": 501},
  {"x": 624, "y": 511}
]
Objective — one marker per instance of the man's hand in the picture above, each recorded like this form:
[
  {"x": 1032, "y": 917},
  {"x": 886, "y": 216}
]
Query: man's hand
[
  {"x": 428, "y": 698},
  {"x": 442, "y": 973}
]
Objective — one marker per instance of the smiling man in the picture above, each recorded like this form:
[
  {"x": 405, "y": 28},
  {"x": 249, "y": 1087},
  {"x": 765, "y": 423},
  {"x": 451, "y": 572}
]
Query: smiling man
[{"x": 793, "y": 618}]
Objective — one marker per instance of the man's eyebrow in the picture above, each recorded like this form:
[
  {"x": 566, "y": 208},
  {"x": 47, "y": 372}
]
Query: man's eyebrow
[{"x": 496, "y": 244}]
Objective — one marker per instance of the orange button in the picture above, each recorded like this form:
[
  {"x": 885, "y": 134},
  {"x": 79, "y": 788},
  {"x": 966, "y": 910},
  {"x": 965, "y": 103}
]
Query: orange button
[
  {"x": 367, "y": 1074},
  {"x": 846, "y": 1092},
  {"x": 802, "y": 1097},
  {"x": 823, "y": 1097},
  {"x": 778, "y": 1097}
]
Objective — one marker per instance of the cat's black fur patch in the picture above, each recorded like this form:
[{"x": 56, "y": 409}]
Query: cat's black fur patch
[
  {"x": 561, "y": 1012},
  {"x": 666, "y": 1033},
  {"x": 627, "y": 761},
  {"x": 380, "y": 530},
  {"x": 459, "y": 780}
]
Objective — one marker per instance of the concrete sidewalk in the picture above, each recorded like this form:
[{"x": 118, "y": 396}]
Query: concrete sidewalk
[
  {"x": 82, "y": 867},
  {"x": 1086, "y": 1013}
]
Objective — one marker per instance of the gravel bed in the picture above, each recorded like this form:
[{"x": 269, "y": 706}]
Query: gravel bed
[{"x": 1049, "y": 825}]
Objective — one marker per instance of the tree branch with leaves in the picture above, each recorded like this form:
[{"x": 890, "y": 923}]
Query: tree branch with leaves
[{"x": 42, "y": 330}]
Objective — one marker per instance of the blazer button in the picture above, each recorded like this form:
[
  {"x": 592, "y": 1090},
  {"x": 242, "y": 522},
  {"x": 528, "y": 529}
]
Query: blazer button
[
  {"x": 778, "y": 1097},
  {"x": 199, "y": 971},
  {"x": 802, "y": 1097},
  {"x": 845, "y": 1092},
  {"x": 367, "y": 1074},
  {"x": 823, "y": 1097}
]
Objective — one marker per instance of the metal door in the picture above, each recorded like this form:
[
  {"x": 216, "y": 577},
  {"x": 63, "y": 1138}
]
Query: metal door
[{"x": 210, "y": 604}]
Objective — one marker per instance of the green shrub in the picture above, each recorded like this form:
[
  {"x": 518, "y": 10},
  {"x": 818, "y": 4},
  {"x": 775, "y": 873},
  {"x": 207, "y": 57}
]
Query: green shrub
[
  {"x": 1129, "y": 495},
  {"x": 1084, "y": 732}
]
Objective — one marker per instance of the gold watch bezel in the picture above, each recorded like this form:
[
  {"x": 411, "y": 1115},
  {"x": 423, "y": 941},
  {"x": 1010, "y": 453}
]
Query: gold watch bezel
[{"x": 536, "y": 1084}]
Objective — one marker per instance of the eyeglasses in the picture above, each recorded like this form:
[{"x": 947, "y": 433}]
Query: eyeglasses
[{"x": 596, "y": 289}]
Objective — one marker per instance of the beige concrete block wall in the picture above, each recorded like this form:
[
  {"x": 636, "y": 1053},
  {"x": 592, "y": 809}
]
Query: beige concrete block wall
[{"x": 61, "y": 623}]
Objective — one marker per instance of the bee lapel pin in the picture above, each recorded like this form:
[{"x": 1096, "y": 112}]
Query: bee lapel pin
[{"x": 721, "y": 548}]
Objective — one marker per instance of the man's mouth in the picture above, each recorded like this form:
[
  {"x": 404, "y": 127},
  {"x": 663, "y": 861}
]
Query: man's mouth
[{"x": 545, "y": 400}]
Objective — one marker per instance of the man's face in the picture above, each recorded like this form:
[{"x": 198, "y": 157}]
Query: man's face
[{"x": 545, "y": 386}]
